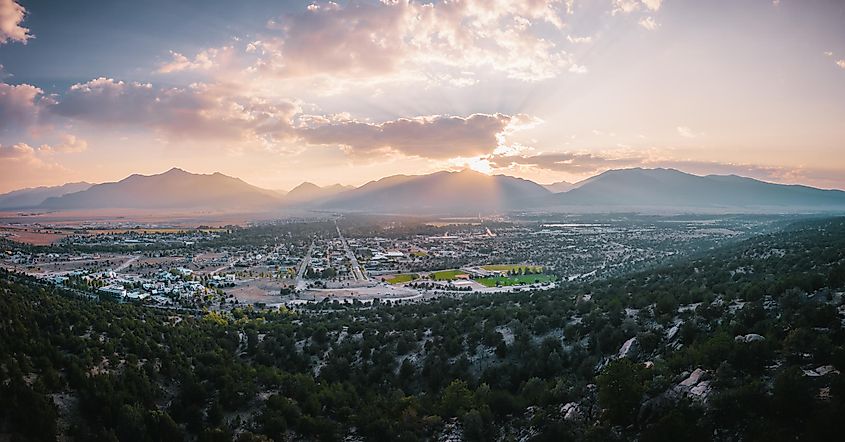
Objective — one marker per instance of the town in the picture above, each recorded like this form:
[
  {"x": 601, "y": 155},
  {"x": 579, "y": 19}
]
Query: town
[{"x": 357, "y": 258}]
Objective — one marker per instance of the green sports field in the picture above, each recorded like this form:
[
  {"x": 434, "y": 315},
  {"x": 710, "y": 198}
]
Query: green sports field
[
  {"x": 506, "y": 281},
  {"x": 402, "y": 278},
  {"x": 509, "y": 267},
  {"x": 446, "y": 275}
]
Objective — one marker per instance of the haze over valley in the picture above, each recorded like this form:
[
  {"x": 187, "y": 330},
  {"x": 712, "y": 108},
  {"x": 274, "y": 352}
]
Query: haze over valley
[{"x": 468, "y": 191}]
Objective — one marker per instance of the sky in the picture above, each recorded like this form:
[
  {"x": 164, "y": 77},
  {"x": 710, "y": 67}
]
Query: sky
[{"x": 278, "y": 93}]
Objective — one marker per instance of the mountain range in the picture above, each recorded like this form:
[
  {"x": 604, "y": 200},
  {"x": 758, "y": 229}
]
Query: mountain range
[
  {"x": 312, "y": 194},
  {"x": 173, "y": 189},
  {"x": 639, "y": 188},
  {"x": 466, "y": 192},
  {"x": 35, "y": 196},
  {"x": 560, "y": 186}
]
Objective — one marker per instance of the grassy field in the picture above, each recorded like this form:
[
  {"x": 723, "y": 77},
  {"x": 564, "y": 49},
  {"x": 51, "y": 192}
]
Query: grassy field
[
  {"x": 446, "y": 275},
  {"x": 515, "y": 280},
  {"x": 509, "y": 267},
  {"x": 402, "y": 278}
]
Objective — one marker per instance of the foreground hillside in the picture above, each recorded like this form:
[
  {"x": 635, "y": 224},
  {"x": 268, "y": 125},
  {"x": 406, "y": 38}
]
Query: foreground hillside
[{"x": 743, "y": 343}]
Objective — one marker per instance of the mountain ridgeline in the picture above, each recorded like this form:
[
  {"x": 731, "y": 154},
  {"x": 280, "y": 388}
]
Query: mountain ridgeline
[
  {"x": 173, "y": 189},
  {"x": 465, "y": 192},
  {"x": 672, "y": 188},
  {"x": 33, "y": 197}
]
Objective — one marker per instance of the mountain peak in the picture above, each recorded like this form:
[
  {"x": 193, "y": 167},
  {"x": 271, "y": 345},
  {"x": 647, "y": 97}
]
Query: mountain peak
[
  {"x": 671, "y": 188},
  {"x": 175, "y": 188},
  {"x": 308, "y": 192},
  {"x": 305, "y": 185},
  {"x": 465, "y": 191}
]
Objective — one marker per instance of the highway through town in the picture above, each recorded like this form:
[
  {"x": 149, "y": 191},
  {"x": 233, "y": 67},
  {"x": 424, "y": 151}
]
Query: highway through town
[
  {"x": 126, "y": 264},
  {"x": 356, "y": 268},
  {"x": 300, "y": 274}
]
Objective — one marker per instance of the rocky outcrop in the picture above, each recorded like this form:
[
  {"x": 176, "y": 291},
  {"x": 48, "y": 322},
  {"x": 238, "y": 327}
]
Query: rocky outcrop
[{"x": 751, "y": 337}]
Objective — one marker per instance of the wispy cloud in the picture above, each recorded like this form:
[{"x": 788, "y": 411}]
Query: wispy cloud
[
  {"x": 649, "y": 23},
  {"x": 578, "y": 69},
  {"x": 629, "y": 6},
  {"x": 571, "y": 162},
  {"x": 203, "y": 61},
  {"x": 586, "y": 39},
  {"x": 686, "y": 132}
]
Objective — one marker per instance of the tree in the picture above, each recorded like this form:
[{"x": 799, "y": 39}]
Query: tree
[
  {"x": 456, "y": 399},
  {"x": 621, "y": 385}
]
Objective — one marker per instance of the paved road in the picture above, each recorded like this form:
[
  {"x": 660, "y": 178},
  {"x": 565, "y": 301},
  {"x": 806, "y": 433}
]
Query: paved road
[
  {"x": 356, "y": 268},
  {"x": 227, "y": 266},
  {"x": 126, "y": 264},
  {"x": 300, "y": 282}
]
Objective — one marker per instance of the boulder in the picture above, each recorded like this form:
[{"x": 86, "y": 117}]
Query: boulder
[
  {"x": 751, "y": 337},
  {"x": 571, "y": 411},
  {"x": 694, "y": 378},
  {"x": 628, "y": 349}
]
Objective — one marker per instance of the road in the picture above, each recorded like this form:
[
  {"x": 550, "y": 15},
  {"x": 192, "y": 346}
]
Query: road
[
  {"x": 356, "y": 268},
  {"x": 126, "y": 264},
  {"x": 300, "y": 282},
  {"x": 227, "y": 266}
]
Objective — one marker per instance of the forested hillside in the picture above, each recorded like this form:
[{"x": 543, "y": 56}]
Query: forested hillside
[{"x": 744, "y": 343}]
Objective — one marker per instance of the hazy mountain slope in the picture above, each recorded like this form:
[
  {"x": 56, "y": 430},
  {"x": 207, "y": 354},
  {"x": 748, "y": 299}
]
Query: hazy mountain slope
[
  {"x": 464, "y": 192},
  {"x": 310, "y": 193},
  {"x": 172, "y": 189},
  {"x": 32, "y": 197},
  {"x": 560, "y": 186},
  {"x": 672, "y": 188}
]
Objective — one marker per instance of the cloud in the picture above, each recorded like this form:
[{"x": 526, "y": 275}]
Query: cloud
[
  {"x": 71, "y": 144},
  {"x": 214, "y": 112},
  {"x": 20, "y": 106},
  {"x": 20, "y": 157},
  {"x": 16, "y": 151},
  {"x": 369, "y": 40},
  {"x": 840, "y": 63},
  {"x": 11, "y": 17},
  {"x": 587, "y": 164},
  {"x": 649, "y": 23},
  {"x": 203, "y": 61},
  {"x": 828, "y": 53},
  {"x": 576, "y": 40},
  {"x": 652, "y": 4},
  {"x": 576, "y": 163},
  {"x": 625, "y": 6},
  {"x": 686, "y": 132},
  {"x": 24, "y": 165},
  {"x": 578, "y": 69},
  {"x": 199, "y": 110},
  {"x": 435, "y": 137},
  {"x": 629, "y": 6}
]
